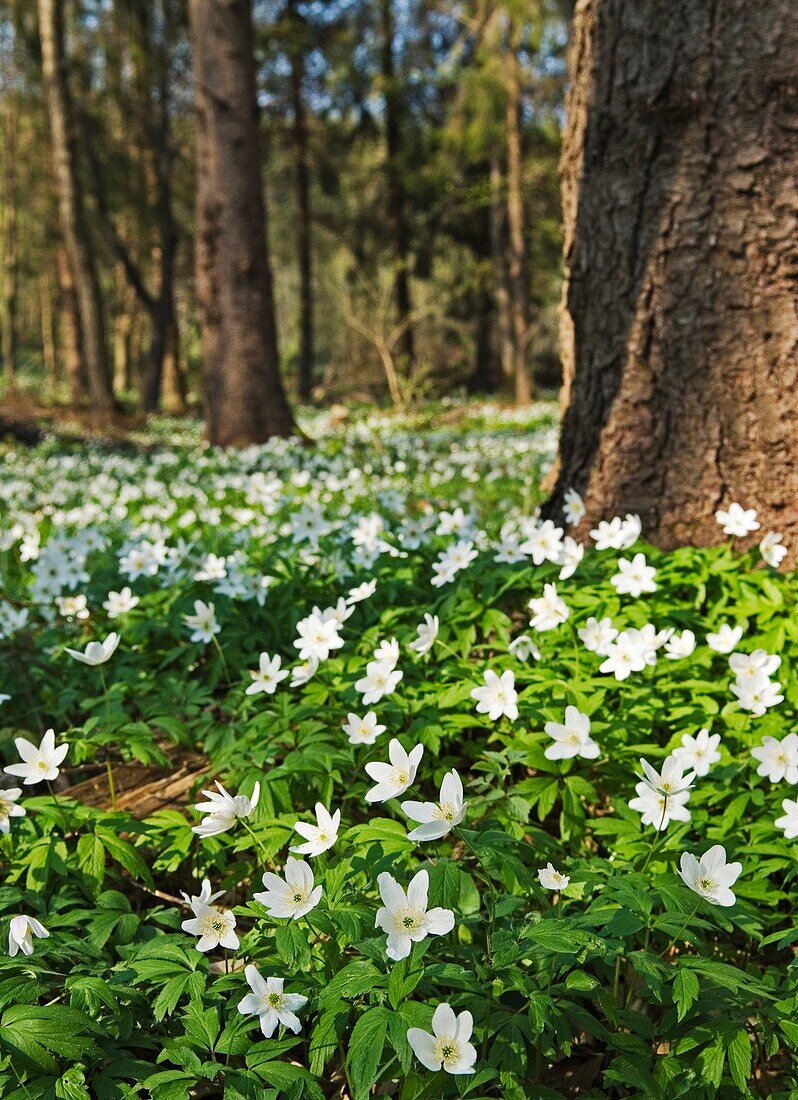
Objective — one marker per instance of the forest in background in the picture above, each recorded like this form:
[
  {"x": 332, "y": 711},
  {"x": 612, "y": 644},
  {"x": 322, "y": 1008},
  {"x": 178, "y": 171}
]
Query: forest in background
[{"x": 409, "y": 155}]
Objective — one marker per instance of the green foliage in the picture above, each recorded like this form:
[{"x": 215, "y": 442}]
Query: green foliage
[{"x": 623, "y": 983}]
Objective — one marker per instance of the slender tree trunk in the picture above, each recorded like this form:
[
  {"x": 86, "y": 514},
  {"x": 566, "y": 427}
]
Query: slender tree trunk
[
  {"x": 174, "y": 387},
  {"x": 74, "y": 226},
  {"x": 123, "y": 327},
  {"x": 303, "y": 220},
  {"x": 245, "y": 400},
  {"x": 501, "y": 289},
  {"x": 70, "y": 331},
  {"x": 10, "y": 256},
  {"x": 681, "y": 217},
  {"x": 394, "y": 171},
  {"x": 518, "y": 273},
  {"x": 47, "y": 326}
]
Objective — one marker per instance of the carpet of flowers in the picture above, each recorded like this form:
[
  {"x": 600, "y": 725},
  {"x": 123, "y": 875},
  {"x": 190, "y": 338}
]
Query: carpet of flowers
[{"x": 480, "y": 812}]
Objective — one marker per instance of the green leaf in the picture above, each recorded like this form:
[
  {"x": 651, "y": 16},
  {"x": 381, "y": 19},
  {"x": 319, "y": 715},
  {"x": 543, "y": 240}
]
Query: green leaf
[
  {"x": 738, "y": 1054},
  {"x": 365, "y": 1050},
  {"x": 356, "y": 978},
  {"x": 685, "y": 992}
]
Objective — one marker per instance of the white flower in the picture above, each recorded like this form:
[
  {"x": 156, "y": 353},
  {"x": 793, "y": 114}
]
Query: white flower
[
  {"x": 21, "y": 931},
  {"x": 571, "y": 738},
  {"x": 427, "y": 634},
  {"x": 270, "y": 1004},
  {"x": 362, "y": 592},
  {"x": 498, "y": 697},
  {"x": 206, "y": 896},
  {"x": 40, "y": 764},
  {"x": 726, "y": 639},
  {"x": 748, "y": 666},
  {"x": 757, "y": 694},
  {"x": 96, "y": 653},
  {"x": 72, "y": 607},
  {"x": 448, "y": 1046},
  {"x": 437, "y": 819},
  {"x": 319, "y": 837},
  {"x": 551, "y": 879},
  {"x": 405, "y": 917},
  {"x": 571, "y": 555},
  {"x": 628, "y": 653},
  {"x": 362, "y": 731},
  {"x": 215, "y": 928},
  {"x": 380, "y": 680},
  {"x": 711, "y": 877},
  {"x": 9, "y": 808},
  {"x": 119, "y": 603},
  {"x": 678, "y": 646},
  {"x": 772, "y": 551},
  {"x": 203, "y": 623},
  {"x": 224, "y": 809},
  {"x": 617, "y": 534},
  {"x": 317, "y": 637},
  {"x": 778, "y": 760},
  {"x": 699, "y": 753},
  {"x": 268, "y": 675},
  {"x": 450, "y": 562},
  {"x": 543, "y": 543},
  {"x": 657, "y": 810},
  {"x": 737, "y": 521},
  {"x": 634, "y": 577},
  {"x": 671, "y": 780},
  {"x": 387, "y": 652},
  {"x": 522, "y": 648},
  {"x": 789, "y": 822},
  {"x": 393, "y": 779},
  {"x": 597, "y": 634},
  {"x": 573, "y": 507},
  {"x": 548, "y": 610},
  {"x": 301, "y": 674},
  {"x": 293, "y": 896}
]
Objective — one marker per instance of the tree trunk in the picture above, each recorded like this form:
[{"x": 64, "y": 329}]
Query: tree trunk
[
  {"x": 245, "y": 401},
  {"x": 70, "y": 331},
  {"x": 394, "y": 171},
  {"x": 302, "y": 183},
  {"x": 48, "y": 333},
  {"x": 8, "y": 313},
  {"x": 518, "y": 273},
  {"x": 681, "y": 216},
  {"x": 174, "y": 383},
  {"x": 501, "y": 290},
  {"x": 74, "y": 226}
]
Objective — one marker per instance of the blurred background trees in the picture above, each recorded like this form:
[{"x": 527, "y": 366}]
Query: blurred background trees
[{"x": 408, "y": 155}]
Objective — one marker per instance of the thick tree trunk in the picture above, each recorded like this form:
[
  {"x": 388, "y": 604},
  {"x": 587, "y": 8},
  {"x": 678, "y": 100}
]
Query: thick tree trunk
[
  {"x": 245, "y": 401},
  {"x": 10, "y": 257},
  {"x": 302, "y": 183},
  {"x": 518, "y": 271},
  {"x": 394, "y": 171},
  {"x": 74, "y": 226},
  {"x": 681, "y": 218}
]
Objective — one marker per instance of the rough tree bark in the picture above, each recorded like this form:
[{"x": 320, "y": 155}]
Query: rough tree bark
[
  {"x": 397, "y": 206},
  {"x": 518, "y": 275},
  {"x": 244, "y": 396},
  {"x": 680, "y": 333},
  {"x": 297, "y": 47},
  {"x": 74, "y": 225}
]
